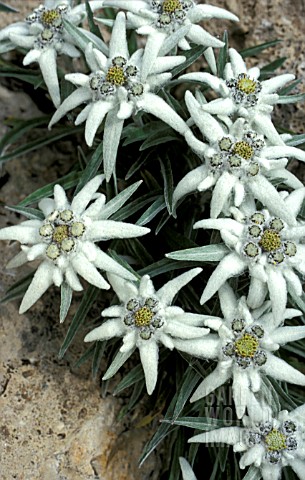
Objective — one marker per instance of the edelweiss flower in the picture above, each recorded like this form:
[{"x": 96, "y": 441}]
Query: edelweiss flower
[
  {"x": 236, "y": 159},
  {"x": 243, "y": 95},
  {"x": 267, "y": 443},
  {"x": 268, "y": 247},
  {"x": 145, "y": 318},
  {"x": 172, "y": 22},
  {"x": 246, "y": 340},
  {"x": 118, "y": 87},
  {"x": 65, "y": 241},
  {"x": 44, "y": 35}
]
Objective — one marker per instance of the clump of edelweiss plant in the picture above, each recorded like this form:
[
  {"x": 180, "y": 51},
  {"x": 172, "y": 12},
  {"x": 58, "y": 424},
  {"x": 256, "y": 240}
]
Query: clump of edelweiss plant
[{"x": 193, "y": 342}]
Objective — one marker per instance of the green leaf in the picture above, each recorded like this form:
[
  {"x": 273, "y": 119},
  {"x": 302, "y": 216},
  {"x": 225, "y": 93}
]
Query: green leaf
[
  {"x": 253, "y": 51},
  {"x": 165, "y": 265},
  {"x": 296, "y": 140},
  {"x": 40, "y": 142},
  {"x": 19, "y": 128},
  {"x": 207, "y": 253},
  {"x": 271, "y": 67},
  {"x": 116, "y": 364},
  {"x": 285, "y": 99},
  {"x": 91, "y": 169},
  {"x": 7, "y": 8},
  {"x": 152, "y": 211},
  {"x": 99, "y": 350},
  {"x": 134, "y": 206},
  {"x": 191, "y": 57},
  {"x": 92, "y": 26},
  {"x": 198, "y": 423},
  {"x": 156, "y": 139},
  {"x": 223, "y": 56},
  {"x": 298, "y": 301},
  {"x": 167, "y": 174},
  {"x": 133, "y": 133},
  {"x": 190, "y": 380},
  {"x": 81, "y": 39},
  {"x": 66, "y": 182},
  {"x": 286, "y": 90},
  {"x": 132, "y": 377},
  {"x": 18, "y": 289},
  {"x": 139, "y": 163},
  {"x": 6, "y": 46},
  {"x": 87, "y": 301},
  {"x": 119, "y": 200},
  {"x": 122, "y": 262},
  {"x": 65, "y": 301},
  {"x": 86, "y": 356},
  {"x": 30, "y": 213},
  {"x": 139, "y": 252},
  {"x": 172, "y": 102}
]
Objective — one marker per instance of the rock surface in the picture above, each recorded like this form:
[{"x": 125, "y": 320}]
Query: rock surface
[{"x": 54, "y": 424}]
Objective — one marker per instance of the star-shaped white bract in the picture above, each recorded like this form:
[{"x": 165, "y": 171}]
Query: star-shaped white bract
[
  {"x": 65, "y": 241},
  {"x": 145, "y": 318},
  {"x": 266, "y": 246},
  {"x": 173, "y": 22},
  {"x": 186, "y": 470},
  {"x": 266, "y": 442},
  {"x": 44, "y": 36},
  {"x": 118, "y": 87},
  {"x": 245, "y": 345},
  {"x": 243, "y": 95},
  {"x": 236, "y": 162}
]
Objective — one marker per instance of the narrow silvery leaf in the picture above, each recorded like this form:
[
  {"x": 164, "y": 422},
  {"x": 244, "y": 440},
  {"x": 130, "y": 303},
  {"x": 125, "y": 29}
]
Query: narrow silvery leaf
[
  {"x": 82, "y": 38},
  {"x": 118, "y": 361},
  {"x": 119, "y": 200},
  {"x": 212, "y": 253},
  {"x": 65, "y": 301}
]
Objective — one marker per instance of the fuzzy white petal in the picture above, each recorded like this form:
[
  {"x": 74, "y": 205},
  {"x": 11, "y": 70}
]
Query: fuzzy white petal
[
  {"x": 125, "y": 290},
  {"x": 80, "y": 95},
  {"x": 202, "y": 348},
  {"x": 60, "y": 197},
  {"x": 108, "y": 229},
  {"x": 198, "y": 35},
  {"x": 240, "y": 389},
  {"x": 229, "y": 435},
  {"x": 149, "y": 354},
  {"x": 109, "y": 329},
  {"x": 189, "y": 183},
  {"x": 155, "y": 105},
  {"x": 221, "y": 193},
  {"x": 95, "y": 117},
  {"x": 72, "y": 279},
  {"x": 118, "y": 42},
  {"x": 265, "y": 192},
  {"x": 270, "y": 471},
  {"x": 229, "y": 266},
  {"x": 21, "y": 233},
  {"x": 186, "y": 469},
  {"x": 167, "y": 293},
  {"x": 284, "y": 335},
  {"x": 88, "y": 271},
  {"x": 228, "y": 302},
  {"x": 112, "y": 135},
  {"x": 277, "y": 291},
  {"x": 277, "y": 368},
  {"x": 42, "y": 280},
  {"x": 105, "y": 262},
  {"x": 214, "y": 380},
  {"x": 257, "y": 293},
  {"x": 251, "y": 456}
]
